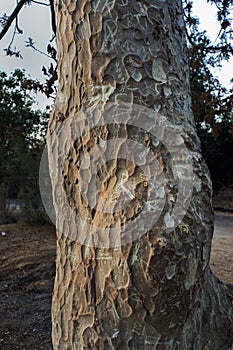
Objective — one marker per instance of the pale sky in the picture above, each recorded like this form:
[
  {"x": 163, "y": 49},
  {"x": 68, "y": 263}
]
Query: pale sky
[
  {"x": 35, "y": 22},
  {"x": 208, "y": 21}
]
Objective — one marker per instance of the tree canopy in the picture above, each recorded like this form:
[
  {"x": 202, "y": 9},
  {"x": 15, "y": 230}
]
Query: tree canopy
[
  {"x": 22, "y": 131},
  {"x": 212, "y": 103}
]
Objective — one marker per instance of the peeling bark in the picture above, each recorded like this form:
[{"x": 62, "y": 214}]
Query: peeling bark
[{"x": 156, "y": 292}]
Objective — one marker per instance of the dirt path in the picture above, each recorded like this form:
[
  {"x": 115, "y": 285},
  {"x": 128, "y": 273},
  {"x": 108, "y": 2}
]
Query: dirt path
[
  {"x": 222, "y": 247},
  {"x": 27, "y": 270}
]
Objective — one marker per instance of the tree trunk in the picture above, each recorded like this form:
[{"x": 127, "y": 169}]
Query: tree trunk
[{"x": 150, "y": 287}]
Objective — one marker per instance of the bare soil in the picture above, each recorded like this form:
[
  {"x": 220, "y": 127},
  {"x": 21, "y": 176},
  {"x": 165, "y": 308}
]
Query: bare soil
[
  {"x": 27, "y": 268},
  {"x": 221, "y": 260}
]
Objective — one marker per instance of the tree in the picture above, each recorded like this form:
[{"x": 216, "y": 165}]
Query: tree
[
  {"x": 50, "y": 73},
  {"x": 211, "y": 102},
  {"x": 156, "y": 291},
  {"x": 22, "y": 131}
]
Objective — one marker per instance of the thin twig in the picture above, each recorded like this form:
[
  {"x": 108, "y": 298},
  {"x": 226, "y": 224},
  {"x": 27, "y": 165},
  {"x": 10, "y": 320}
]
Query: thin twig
[
  {"x": 31, "y": 45},
  {"x": 20, "y": 31},
  {"x": 12, "y": 39}
]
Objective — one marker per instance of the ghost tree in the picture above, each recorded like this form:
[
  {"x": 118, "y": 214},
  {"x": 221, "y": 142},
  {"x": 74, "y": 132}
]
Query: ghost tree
[{"x": 125, "y": 279}]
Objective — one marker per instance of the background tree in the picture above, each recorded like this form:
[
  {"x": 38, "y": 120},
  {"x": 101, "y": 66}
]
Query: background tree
[
  {"x": 22, "y": 131},
  {"x": 212, "y": 103},
  {"x": 212, "y": 108}
]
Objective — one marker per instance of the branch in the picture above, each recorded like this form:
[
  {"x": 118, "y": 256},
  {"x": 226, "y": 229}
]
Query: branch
[
  {"x": 17, "y": 26},
  {"x": 12, "y": 17},
  {"x": 53, "y": 19},
  {"x": 31, "y": 44}
]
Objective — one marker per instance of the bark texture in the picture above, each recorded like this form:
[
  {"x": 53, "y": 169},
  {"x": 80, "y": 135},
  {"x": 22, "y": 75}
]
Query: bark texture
[{"x": 158, "y": 291}]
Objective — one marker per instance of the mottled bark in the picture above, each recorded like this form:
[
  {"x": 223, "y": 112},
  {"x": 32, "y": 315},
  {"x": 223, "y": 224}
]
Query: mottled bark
[{"x": 156, "y": 292}]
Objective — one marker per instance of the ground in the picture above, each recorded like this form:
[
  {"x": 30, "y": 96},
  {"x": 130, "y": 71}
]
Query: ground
[
  {"x": 27, "y": 267},
  {"x": 222, "y": 248}
]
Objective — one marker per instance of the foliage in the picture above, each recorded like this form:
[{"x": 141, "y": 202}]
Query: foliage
[
  {"x": 217, "y": 148},
  {"x": 212, "y": 103},
  {"x": 49, "y": 86},
  {"x": 213, "y": 112},
  {"x": 22, "y": 132}
]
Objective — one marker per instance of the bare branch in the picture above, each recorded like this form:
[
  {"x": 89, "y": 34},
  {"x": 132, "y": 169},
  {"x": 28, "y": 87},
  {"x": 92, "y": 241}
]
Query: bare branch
[
  {"x": 20, "y": 31},
  {"x": 31, "y": 43},
  {"x": 53, "y": 19},
  {"x": 12, "y": 17}
]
